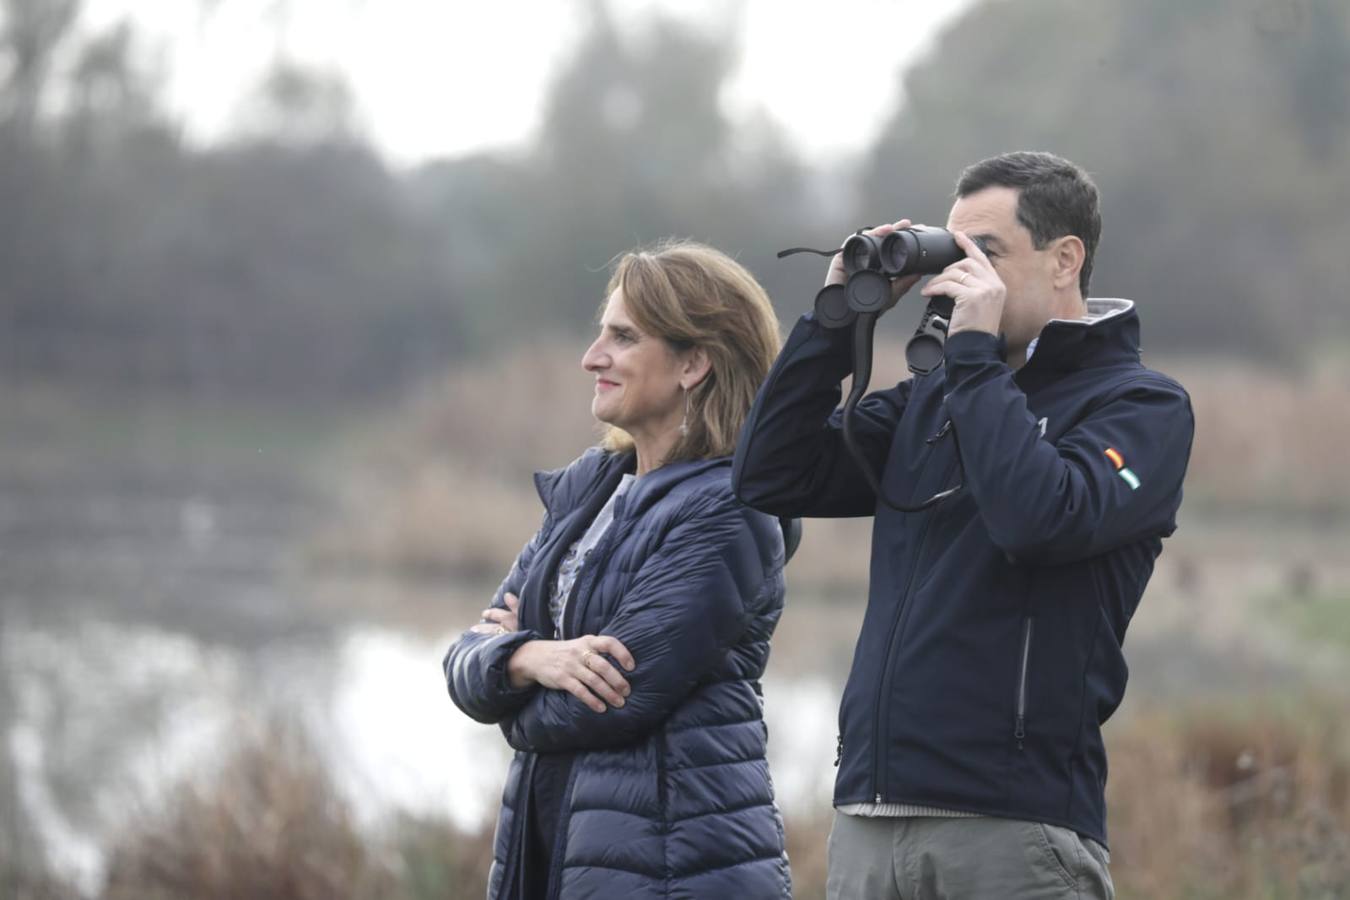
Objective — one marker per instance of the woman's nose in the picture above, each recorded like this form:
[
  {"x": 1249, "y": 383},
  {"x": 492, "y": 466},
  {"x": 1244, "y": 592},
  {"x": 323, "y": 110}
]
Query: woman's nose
[{"x": 594, "y": 358}]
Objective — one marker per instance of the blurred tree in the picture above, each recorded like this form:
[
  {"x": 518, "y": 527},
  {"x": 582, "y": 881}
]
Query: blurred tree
[
  {"x": 298, "y": 105},
  {"x": 292, "y": 260},
  {"x": 31, "y": 32},
  {"x": 289, "y": 262},
  {"x": 110, "y": 98},
  {"x": 634, "y": 147},
  {"x": 1215, "y": 130}
]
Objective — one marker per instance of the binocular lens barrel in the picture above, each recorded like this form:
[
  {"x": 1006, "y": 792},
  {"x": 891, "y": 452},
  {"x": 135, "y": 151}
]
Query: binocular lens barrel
[
  {"x": 918, "y": 250},
  {"x": 861, "y": 251}
]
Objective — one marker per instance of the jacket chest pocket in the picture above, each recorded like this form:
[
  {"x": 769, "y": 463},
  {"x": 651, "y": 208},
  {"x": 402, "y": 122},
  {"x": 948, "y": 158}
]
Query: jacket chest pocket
[{"x": 922, "y": 463}]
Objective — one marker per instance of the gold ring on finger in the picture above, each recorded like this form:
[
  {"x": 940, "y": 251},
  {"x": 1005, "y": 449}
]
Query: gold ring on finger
[
  {"x": 963, "y": 278},
  {"x": 586, "y": 658}
]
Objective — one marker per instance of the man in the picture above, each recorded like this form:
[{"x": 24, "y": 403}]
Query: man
[{"x": 971, "y": 756}]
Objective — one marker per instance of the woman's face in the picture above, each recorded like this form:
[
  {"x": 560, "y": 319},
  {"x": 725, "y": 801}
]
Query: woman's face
[{"x": 637, "y": 375}]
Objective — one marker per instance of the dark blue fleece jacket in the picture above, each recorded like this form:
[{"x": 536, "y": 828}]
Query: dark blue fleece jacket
[{"x": 990, "y": 652}]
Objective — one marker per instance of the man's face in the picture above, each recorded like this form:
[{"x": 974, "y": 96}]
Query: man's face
[{"x": 990, "y": 215}]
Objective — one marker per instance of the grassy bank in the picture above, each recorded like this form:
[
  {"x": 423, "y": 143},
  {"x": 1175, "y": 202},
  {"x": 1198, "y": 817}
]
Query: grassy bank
[
  {"x": 1238, "y": 802},
  {"x": 442, "y": 486}
]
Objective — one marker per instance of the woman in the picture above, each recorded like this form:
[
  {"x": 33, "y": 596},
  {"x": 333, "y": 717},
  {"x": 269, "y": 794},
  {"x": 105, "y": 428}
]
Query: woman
[{"x": 622, "y": 653}]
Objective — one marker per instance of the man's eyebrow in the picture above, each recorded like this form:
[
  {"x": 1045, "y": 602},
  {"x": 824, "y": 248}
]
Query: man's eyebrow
[{"x": 989, "y": 240}]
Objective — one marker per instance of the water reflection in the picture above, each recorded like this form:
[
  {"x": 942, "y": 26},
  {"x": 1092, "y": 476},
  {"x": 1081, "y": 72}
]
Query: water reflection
[{"x": 107, "y": 717}]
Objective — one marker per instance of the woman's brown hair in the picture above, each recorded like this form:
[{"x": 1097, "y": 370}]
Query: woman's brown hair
[{"x": 693, "y": 296}]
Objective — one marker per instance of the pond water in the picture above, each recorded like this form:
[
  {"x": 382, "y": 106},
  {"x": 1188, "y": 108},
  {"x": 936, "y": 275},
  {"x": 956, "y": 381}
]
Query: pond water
[{"x": 107, "y": 717}]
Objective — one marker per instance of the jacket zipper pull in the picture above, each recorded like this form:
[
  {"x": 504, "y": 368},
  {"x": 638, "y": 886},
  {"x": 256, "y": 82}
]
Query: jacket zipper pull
[
  {"x": 838, "y": 750},
  {"x": 942, "y": 432},
  {"x": 1019, "y": 728}
]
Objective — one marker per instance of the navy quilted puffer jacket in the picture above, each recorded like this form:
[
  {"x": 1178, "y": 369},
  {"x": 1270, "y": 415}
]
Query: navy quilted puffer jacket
[{"x": 669, "y": 795}]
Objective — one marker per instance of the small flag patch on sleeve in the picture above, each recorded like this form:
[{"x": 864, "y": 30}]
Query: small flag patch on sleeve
[{"x": 1119, "y": 462}]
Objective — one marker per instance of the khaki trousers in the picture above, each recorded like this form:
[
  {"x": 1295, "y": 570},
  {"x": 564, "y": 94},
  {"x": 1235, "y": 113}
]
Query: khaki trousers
[{"x": 930, "y": 858}]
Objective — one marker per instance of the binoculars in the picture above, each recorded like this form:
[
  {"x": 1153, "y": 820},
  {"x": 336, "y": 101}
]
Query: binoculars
[{"x": 871, "y": 263}]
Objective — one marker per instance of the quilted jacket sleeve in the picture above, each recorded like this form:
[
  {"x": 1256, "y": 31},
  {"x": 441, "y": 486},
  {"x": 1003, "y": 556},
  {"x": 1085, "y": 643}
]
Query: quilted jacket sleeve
[
  {"x": 688, "y": 604},
  {"x": 475, "y": 666}
]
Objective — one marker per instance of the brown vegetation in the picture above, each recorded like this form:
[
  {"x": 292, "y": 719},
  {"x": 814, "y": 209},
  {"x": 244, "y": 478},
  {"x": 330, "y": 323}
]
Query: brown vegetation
[
  {"x": 1267, "y": 439},
  {"x": 1205, "y": 803},
  {"x": 271, "y": 825},
  {"x": 443, "y": 486},
  {"x": 1232, "y": 804}
]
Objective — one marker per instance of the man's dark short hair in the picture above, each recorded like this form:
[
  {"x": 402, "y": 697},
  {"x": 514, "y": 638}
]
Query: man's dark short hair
[{"x": 1054, "y": 198}]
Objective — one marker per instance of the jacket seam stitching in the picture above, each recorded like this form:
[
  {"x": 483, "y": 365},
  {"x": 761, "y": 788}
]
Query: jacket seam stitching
[
  {"x": 681, "y": 875},
  {"x": 703, "y": 725},
  {"x": 723, "y": 812},
  {"x": 762, "y": 804},
  {"x": 713, "y": 765}
]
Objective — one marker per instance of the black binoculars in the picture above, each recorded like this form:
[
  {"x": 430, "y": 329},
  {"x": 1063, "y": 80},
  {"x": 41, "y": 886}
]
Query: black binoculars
[
  {"x": 918, "y": 250},
  {"x": 871, "y": 263}
]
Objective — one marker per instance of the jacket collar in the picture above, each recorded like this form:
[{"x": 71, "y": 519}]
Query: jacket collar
[
  {"x": 1108, "y": 334},
  {"x": 599, "y": 471}
]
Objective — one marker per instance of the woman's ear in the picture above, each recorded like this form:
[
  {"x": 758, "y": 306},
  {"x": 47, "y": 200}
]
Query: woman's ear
[{"x": 696, "y": 367}]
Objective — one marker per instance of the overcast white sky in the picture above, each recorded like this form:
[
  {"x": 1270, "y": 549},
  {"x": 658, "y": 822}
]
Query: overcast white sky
[{"x": 436, "y": 78}]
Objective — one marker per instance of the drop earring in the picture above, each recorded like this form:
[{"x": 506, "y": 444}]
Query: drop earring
[{"x": 684, "y": 424}]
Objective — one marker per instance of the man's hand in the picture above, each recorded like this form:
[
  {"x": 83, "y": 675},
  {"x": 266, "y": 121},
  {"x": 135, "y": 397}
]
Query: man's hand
[
  {"x": 899, "y": 287},
  {"x": 576, "y": 667},
  {"x": 975, "y": 286}
]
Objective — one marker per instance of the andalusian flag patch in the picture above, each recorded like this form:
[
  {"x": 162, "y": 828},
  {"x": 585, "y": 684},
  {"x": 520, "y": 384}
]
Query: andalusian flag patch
[{"x": 1119, "y": 462}]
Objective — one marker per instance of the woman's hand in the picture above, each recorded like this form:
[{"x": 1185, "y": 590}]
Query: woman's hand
[
  {"x": 576, "y": 667},
  {"x": 500, "y": 621}
]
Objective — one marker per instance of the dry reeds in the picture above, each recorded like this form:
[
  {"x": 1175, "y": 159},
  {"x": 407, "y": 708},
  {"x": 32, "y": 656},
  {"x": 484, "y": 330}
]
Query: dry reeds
[
  {"x": 444, "y": 486},
  {"x": 1268, "y": 440},
  {"x": 1233, "y": 803},
  {"x": 1204, "y": 802},
  {"x": 270, "y": 827}
]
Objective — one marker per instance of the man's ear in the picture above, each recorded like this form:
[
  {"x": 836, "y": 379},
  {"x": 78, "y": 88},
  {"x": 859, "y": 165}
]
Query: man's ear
[
  {"x": 697, "y": 365},
  {"x": 1067, "y": 256}
]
